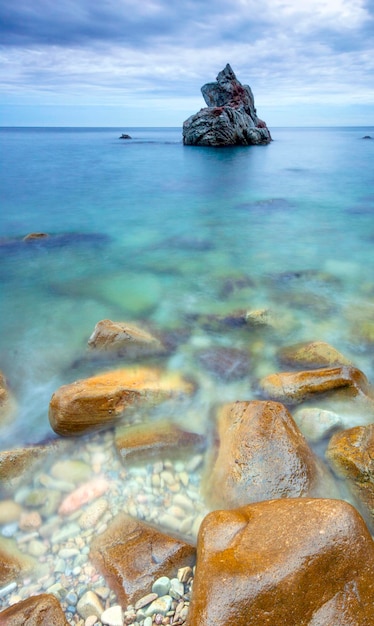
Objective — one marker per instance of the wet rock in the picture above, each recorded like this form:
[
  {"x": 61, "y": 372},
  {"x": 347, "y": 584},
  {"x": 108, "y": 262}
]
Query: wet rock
[
  {"x": 41, "y": 610},
  {"x": 101, "y": 401},
  {"x": 131, "y": 555},
  {"x": 8, "y": 405},
  {"x": 351, "y": 455},
  {"x": 13, "y": 563},
  {"x": 124, "y": 339},
  {"x": 293, "y": 387},
  {"x": 312, "y": 354},
  {"x": 32, "y": 236},
  {"x": 89, "y": 604},
  {"x": 226, "y": 364},
  {"x": 14, "y": 464},
  {"x": 316, "y": 424},
  {"x": 229, "y": 119},
  {"x": 299, "y": 561},
  {"x": 261, "y": 455},
  {"x": 156, "y": 440}
]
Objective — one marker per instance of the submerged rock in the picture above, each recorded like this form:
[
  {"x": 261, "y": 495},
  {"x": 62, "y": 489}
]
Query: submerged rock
[
  {"x": 292, "y": 561},
  {"x": 101, "y": 401},
  {"x": 131, "y": 555},
  {"x": 294, "y": 387},
  {"x": 13, "y": 563},
  {"x": 230, "y": 117},
  {"x": 312, "y": 354},
  {"x": 41, "y": 610},
  {"x": 159, "y": 440},
  {"x": 261, "y": 455},
  {"x": 351, "y": 455},
  {"x": 124, "y": 339}
]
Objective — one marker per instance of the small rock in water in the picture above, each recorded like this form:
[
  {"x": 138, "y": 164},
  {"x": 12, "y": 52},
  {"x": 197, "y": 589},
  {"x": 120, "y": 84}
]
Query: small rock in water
[
  {"x": 83, "y": 494},
  {"x": 112, "y": 616},
  {"x": 89, "y": 604},
  {"x": 162, "y": 605},
  {"x": 161, "y": 586}
]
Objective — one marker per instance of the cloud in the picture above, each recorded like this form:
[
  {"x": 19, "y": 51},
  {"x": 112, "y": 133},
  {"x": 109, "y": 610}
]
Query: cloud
[{"x": 116, "y": 51}]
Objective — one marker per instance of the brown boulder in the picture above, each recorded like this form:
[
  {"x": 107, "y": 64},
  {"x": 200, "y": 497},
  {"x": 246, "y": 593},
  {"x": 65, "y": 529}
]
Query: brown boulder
[
  {"x": 13, "y": 563},
  {"x": 41, "y": 610},
  {"x": 124, "y": 339},
  {"x": 293, "y": 387},
  {"x": 313, "y": 354},
  {"x": 261, "y": 455},
  {"x": 351, "y": 455},
  {"x": 302, "y": 562},
  {"x": 101, "y": 401},
  {"x": 163, "y": 440},
  {"x": 131, "y": 555}
]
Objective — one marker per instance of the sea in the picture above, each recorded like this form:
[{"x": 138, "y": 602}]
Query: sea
[{"x": 173, "y": 239}]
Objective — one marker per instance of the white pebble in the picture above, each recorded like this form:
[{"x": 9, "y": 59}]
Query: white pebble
[{"x": 112, "y": 616}]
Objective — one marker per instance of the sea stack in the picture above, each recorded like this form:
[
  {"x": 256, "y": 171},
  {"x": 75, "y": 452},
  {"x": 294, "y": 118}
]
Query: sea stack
[{"x": 230, "y": 117}]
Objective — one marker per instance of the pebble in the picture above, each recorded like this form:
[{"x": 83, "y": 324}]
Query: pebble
[
  {"x": 112, "y": 616},
  {"x": 145, "y": 600},
  {"x": 162, "y": 605},
  {"x": 83, "y": 495},
  {"x": 176, "y": 588},
  {"x": 91, "y": 620},
  {"x": 9, "y": 511},
  {"x": 161, "y": 586},
  {"x": 30, "y": 520},
  {"x": 9, "y": 530},
  {"x": 148, "y": 621},
  {"x": 7, "y": 589},
  {"x": 93, "y": 513},
  {"x": 64, "y": 533},
  {"x": 89, "y": 604},
  {"x": 37, "y": 548}
]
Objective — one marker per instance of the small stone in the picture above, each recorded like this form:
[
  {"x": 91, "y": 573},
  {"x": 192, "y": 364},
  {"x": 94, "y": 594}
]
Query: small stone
[
  {"x": 162, "y": 605},
  {"x": 9, "y": 511},
  {"x": 184, "y": 574},
  {"x": 161, "y": 586},
  {"x": 112, "y": 616},
  {"x": 82, "y": 495},
  {"x": 93, "y": 513},
  {"x": 176, "y": 588},
  {"x": 57, "y": 590},
  {"x": 71, "y": 598},
  {"x": 145, "y": 600},
  {"x": 89, "y": 604},
  {"x": 30, "y": 520},
  {"x": 90, "y": 621},
  {"x": 37, "y": 548},
  {"x": 148, "y": 621},
  {"x": 4, "y": 591}
]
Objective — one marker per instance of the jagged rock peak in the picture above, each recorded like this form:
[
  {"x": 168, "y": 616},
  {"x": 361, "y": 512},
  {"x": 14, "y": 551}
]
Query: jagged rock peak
[{"x": 230, "y": 117}]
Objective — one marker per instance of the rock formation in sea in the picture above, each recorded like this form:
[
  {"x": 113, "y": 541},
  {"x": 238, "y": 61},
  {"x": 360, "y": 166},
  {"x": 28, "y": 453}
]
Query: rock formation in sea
[{"x": 230, "y": 117}]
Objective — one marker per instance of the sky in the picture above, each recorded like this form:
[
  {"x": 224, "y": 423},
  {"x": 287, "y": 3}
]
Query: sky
[{"x": 125, "y": 63}]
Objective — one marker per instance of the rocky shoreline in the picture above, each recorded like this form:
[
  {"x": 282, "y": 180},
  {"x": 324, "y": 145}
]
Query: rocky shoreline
[{"x": 128, "y": 517}]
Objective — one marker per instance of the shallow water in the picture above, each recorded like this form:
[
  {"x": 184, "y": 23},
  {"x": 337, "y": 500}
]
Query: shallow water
[
  {"x": 153, "y": 232},
  {"x": 159, "y": 229}
]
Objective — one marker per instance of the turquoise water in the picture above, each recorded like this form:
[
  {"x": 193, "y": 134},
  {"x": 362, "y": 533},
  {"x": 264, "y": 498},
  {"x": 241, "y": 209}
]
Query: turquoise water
[{"x": 154, "y": 232}]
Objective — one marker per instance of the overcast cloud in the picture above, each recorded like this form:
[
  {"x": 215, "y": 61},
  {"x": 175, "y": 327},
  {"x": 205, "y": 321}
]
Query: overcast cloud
[{"x": 142, "y": 62}]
